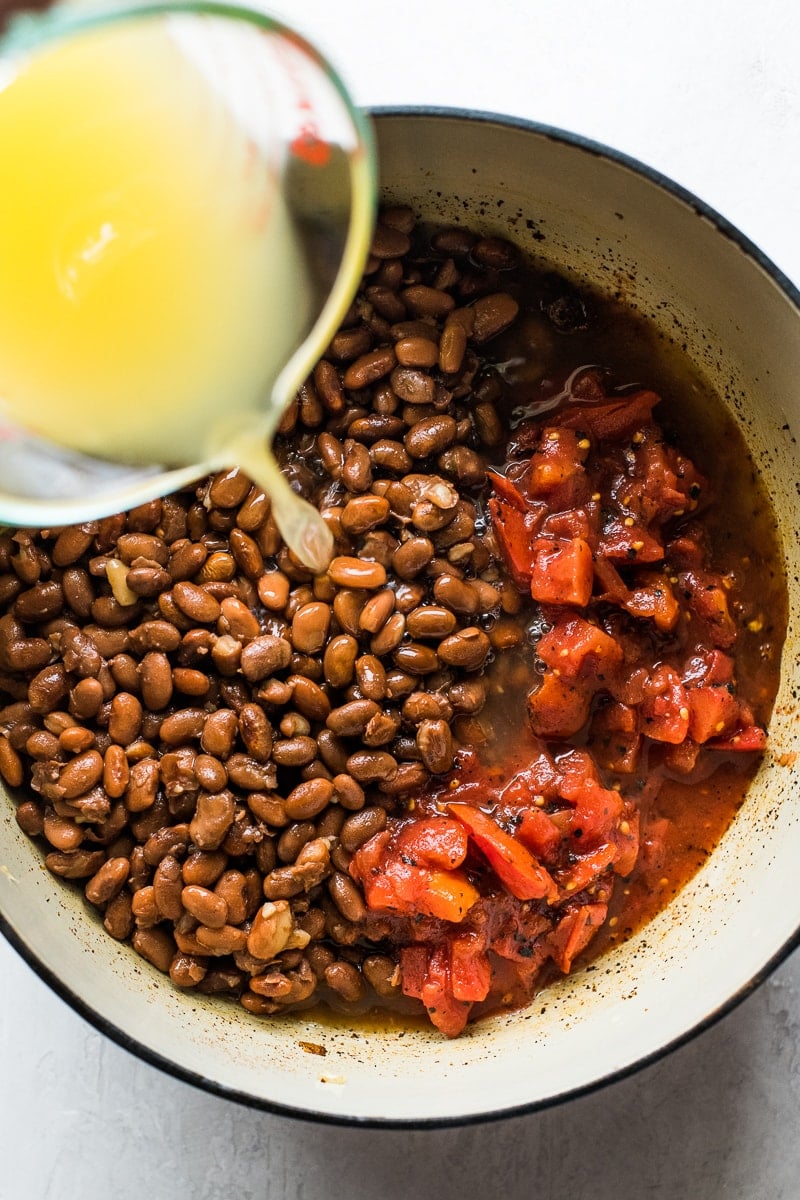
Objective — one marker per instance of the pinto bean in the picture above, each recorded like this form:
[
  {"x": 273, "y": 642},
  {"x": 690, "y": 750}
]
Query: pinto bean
[
  {"x": 371, "y": 766},
  {"x": 369, "y": 368},
  {"x": 310, "y": 626},
  {"x": 492, "y": 314},
  {"x": 345, "y": 979},
  {"x": 349, "y": 572},
  {"x": 308, "y": 799},
  {"x": 456, "y": 594},
  {"x": 256, "y": 732},
  {"x": 142, "y": 785},
  {"x": 155, "y": 680},
  {"x": 80, "y": 774},
  {"x": 467, "y": 649},
  {"x": 74, "y": 864},
  {"x": 263, "y": 656},
  {"x": 273, "y": 590},
  {"x": 389, "y": 636},
  {"x": 308, "y": 698},
  {"x": 157, "y": 946},
  {"x": 219, "y": 732},
  {"x": 212, "y": 819},
  {"x": 427, "y": 301},
  {"x": 206, "y": 906},
  {"x": 10, "y": 764},
  {"x": 168, "y": 887},
  {"x": 247, "y": 553},
  {"x": 416, "y": 351},
  {"x": 108, "y": 882},
  {"x": 204, "y": 867},
  {"x": 435, "y": 745}
]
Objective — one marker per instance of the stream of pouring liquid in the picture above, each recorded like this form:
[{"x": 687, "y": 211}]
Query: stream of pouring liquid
[{"x": 152, "y": 284}]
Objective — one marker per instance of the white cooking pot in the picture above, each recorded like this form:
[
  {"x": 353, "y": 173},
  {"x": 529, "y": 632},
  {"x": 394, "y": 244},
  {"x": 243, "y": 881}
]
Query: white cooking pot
[{"x": 620, "y": 227}]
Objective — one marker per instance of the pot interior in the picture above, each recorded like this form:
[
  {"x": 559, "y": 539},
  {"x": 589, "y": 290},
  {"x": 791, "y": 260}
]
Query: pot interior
[{"x": 605, "y": 223}]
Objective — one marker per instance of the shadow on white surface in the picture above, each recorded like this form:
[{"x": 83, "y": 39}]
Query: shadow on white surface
[{"x": 81, "y": 1119}]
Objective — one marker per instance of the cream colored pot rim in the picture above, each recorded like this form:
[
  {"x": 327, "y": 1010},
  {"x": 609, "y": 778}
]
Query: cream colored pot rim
[{"x": 196, "y": 1078}]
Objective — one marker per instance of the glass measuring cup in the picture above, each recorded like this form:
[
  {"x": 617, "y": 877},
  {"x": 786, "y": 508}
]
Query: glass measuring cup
[{"x": 186, "y": 202}]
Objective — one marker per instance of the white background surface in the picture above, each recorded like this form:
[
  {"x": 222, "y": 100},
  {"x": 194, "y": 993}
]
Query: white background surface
[{"x": 708, "y": 92}]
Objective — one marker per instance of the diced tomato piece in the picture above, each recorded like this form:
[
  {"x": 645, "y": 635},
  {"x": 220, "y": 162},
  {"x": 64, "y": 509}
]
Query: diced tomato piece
[
  {"x": 712, "y": 712},
  {"x": 413, "y": 967},
  {"x": 626, "y": 837},
  {"x": 538, "y": 833},
  {"x": 628, "y": 543},
  {"x": 711, "y": 667},
  {"x": 708, "y": 600},
  {"x": 614, "y": 587},
  {"x": 575, "y": 648},
  {"x": 393, "y": 882},
  {"x": 516, "y": 533},
  {"x": 686, "y": 553},
  {"x": 447, "y": 1014},
  {"x": 720, "y": 668},
  {"x": 574, "y": 523},
  {"x": 559, "y": 707},
  {"x": 596, "y": 809},
  {"x": 368, "y": 859},
  {"x": 507, "y": 490},
  {"x": 556, "y": 460},
  {"x": 586, "y": 868},
  {"x": 562, "y": 571},
  {"x": 665, "y": 708},
  {"x": 653, "y": 844},
  {"x": 613, "y": 420},
  {"x": 538, "y": 778},
  {"x": 437, "y": 841},
  {"x": 574, "y": 932},
  {"x": 654, "y": 599},
  {"x": 447, "y": 895},
  {"x": 515, "y": 867},
  {"x": 578, "y": 769},
  {"x": 470, "y": 972},
  {"x": 615, "y": 737},
  {"x": 683, "y": 757},
  {"x": 750, "y": 738},
  {"x": 519, "y": 938}
]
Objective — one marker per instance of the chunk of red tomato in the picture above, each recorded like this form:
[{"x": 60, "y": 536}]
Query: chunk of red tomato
[
  {"x": 628, "y": 543},
  {"x": 470, "y": 972},
  {"x": 654, "y": 599},
  {"x": 516, "y": 533},
  {"x": 559, "y": 707},
  {"x": 448, "y": 1014},
  {"x": 665, "y": 708},
  {"x": 562, "y": 571},
  {"x": 574, "y": 932},
  {"x": 514, "y": 866},
  {"x": 536, "y": 831},
  {"x": 713, "y": 711},
  {"x": 612, "y": 420},
  {"x": 556, "y": 460},
  {"x": 748, "y": 739},
  {"x": 577, "y": 648},
  {"x": 394, "y": 881},
  {"x": 436, "y": 841}
]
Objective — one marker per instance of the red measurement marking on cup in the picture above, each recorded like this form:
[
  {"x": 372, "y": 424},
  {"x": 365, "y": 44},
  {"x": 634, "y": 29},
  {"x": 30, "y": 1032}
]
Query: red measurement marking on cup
[
  {"x": 307, "y": 143},
  {"x": 311, "y": 148}
]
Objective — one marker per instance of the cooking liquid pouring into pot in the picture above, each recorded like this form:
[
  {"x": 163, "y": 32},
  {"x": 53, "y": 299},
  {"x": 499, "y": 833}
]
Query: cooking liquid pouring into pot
[{"x": 186, "y": 203}]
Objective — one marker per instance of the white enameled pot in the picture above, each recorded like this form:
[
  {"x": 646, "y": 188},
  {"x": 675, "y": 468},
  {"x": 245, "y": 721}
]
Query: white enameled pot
[{"x": 618, "y": 226}]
